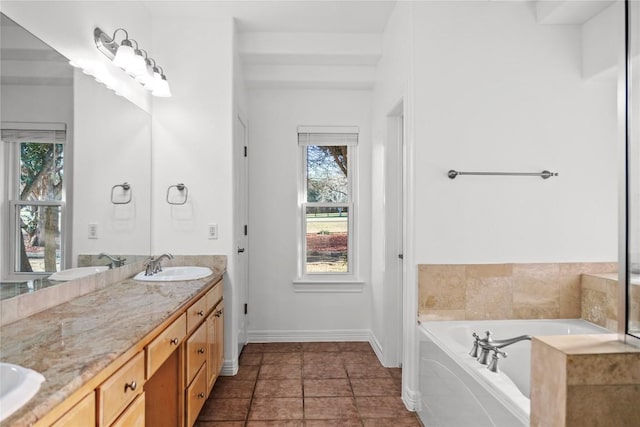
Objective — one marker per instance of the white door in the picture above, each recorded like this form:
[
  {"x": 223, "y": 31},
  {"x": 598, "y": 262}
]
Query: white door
[
  {"x": 242, "y": 227},
  {"x": 394, "y": 233}
]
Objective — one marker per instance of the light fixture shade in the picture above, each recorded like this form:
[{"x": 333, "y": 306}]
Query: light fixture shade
[
  {"x": 124, "y": 55},
  {"x": 147, "y": 76},
  {"x": 137, "y": 66},
  {"x": 161, "y": 88}
]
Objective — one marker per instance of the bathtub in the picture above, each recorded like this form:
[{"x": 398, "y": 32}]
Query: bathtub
[{"x": 457, "y": 391}]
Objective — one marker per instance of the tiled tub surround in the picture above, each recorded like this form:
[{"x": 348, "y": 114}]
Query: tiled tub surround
[
  {"x": 584, "y": 380},
  {"x": 503, "y": 291},
  {"x": 72, "y": 342}
]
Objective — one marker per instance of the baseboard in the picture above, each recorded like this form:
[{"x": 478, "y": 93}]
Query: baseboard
[
  {"x": 310, "y": 335},
  {"x": 229, "y": 368},
  {"x": 377, "y": 348},
  {"x": 411, "y": 399}
]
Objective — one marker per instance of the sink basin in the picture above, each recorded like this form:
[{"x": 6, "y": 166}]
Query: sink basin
[
  {"x": 17, "y": 386},
  {"x": 176, "y": 274},
  {"x": 77, "y": 273}
]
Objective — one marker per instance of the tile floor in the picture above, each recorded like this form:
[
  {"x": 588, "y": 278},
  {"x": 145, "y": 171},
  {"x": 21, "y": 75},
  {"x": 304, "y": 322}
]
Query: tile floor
[{"x": 317, "y": 384}]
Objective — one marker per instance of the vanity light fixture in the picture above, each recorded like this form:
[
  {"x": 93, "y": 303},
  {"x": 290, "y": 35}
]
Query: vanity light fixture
[{"x": 134, "y": 61}]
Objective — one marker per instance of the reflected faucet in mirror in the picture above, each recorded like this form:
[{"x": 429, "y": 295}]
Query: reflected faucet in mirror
[{"x": 115, "y": 262}]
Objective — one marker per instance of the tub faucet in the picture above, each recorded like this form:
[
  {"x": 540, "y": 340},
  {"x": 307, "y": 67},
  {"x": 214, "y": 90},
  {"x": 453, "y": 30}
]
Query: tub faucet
[
  {"x": 483, "y": 346},
  {"x": 115, "y": 262},
  {"x": 153, "y": 265}
]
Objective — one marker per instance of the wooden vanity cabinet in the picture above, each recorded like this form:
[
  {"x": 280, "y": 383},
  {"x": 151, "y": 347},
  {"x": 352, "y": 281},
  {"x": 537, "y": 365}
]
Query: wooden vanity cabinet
[
  {"x": 169, "y": 378},
  {"x": 82, "y": 414},
  {"x": 134, "y": 415}
]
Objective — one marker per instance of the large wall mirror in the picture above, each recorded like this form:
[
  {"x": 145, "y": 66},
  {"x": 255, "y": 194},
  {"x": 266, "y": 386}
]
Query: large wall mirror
[{"x": 76, "y": 166}]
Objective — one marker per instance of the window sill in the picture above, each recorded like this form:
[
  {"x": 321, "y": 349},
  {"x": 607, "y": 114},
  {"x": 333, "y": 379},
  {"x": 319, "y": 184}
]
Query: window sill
[{"x": 328, "y": 286}]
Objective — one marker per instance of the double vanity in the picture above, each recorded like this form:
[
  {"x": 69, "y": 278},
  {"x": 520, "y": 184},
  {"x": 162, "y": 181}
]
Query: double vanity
[{"x": 130, "y": 353}]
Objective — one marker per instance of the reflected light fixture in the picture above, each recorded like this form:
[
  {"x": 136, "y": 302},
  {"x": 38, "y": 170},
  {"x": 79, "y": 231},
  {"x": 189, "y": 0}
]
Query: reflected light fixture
[{"x": 134, "y": 61}]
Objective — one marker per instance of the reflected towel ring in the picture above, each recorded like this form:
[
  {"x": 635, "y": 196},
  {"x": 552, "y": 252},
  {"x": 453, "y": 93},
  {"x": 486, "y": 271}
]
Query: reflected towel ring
[
  {"x": 126, "y": 187},
  {"x": 181, "y": 188}
]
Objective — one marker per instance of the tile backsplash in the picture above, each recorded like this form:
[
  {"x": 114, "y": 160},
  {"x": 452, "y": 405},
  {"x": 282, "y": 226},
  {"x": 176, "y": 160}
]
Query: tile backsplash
[{"x": 503, "y": 291}]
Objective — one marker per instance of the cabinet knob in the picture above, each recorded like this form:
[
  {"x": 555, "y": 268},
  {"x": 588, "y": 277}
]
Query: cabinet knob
[
  {"x": 201, "y": 395},
  {"x": 218, "y": 313},
  {"x": 200, "y": 313},
  {"x": 132, "y": 385},
  {"x": 201, "y": 350},
  {"x": 174, "y": 341}
]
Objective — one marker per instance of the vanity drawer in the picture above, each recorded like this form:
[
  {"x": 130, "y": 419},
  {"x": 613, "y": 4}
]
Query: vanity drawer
[
  {"x": 120, "y": 389},
  {"x": 196, "y": 314},
  {"x": 166, "y": 343},
  {"x": 133, "y": 416},
  {"x": 196, "y": 351},
  {"x": 83, "y": 414},
  {"x": 196, "y": 396},
  {"x": 214, "y": 295}
]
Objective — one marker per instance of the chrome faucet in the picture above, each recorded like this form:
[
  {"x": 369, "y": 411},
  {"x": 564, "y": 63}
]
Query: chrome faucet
[
  {"x": 483, "y": 346},
  {"x": 154, "y": 266},
  {"x": 115, "y": 262}
]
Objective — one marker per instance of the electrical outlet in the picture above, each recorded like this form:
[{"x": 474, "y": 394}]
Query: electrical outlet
[
  {"x": 212, "y": 231},
  {"x": 93, "y": 231}
]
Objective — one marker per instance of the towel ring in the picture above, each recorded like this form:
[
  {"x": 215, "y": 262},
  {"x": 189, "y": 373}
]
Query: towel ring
[
  {"x": 180, "y": 187},
  {"x": 126, "y": 187}
]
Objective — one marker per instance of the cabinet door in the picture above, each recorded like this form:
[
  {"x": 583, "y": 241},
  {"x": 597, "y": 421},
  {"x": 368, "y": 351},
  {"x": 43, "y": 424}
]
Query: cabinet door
[
  {"x": 212, "y": 354},
  {"x": 83, "y": 414},
  {"x": 219, "y": 346}
]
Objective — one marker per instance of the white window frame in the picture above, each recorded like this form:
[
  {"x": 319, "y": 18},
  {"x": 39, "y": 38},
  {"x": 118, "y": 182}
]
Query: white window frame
[
  {"x": 59, "y": 135},
  {"x": 329, "y": 281}
]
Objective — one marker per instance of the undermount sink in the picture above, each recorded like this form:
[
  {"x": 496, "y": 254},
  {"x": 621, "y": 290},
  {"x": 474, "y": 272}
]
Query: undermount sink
[
  {"x": 176, "y": 274},
  {"x": 77, "y": 273},
  {"x": 17, "y": 386}
]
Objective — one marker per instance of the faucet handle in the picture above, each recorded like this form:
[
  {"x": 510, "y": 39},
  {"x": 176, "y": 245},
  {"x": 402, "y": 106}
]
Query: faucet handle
[
  {"x": 474, "y": 349},
  {"x": 493, "y": 365}
]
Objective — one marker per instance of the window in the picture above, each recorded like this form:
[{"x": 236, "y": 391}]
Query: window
[
  {"x": 327, "y": 201},
  {"x": 36, "y": 189}
]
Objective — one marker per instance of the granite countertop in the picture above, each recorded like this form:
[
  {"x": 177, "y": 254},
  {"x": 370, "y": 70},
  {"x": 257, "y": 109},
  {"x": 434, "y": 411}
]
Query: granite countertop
[{"x": 72, "y": 342}]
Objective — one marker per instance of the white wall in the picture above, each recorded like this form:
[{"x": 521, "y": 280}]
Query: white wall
[
  {"x": 494, "y": 91},
  {"x": 391, "y": 88},
  {"x": 192, "y": 141},
  {"x": 112, "y": 145},
  {"x": 277, "y": 312}
]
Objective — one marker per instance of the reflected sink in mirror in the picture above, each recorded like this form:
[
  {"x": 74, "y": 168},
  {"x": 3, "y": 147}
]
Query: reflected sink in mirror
[
  {"x": 76, "y": 273},
  {"x": 176, "y": 274},
  {"x": 17, "y": 387}
]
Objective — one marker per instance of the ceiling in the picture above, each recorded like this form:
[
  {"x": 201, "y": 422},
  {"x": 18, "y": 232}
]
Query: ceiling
[{"x": 309, "y": 16}]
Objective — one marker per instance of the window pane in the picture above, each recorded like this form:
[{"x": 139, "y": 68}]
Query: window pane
[
  {"x": 38, "y": 238},
  {"x": 41, "y": 171},
  {"x": 327, "y": 174},
  {"x": 327, "y": 239}
]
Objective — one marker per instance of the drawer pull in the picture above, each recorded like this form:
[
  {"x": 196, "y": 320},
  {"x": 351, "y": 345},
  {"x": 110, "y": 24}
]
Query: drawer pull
[
  {"x": 218, "y": 313},
  {"x": 201, "y": 351},
  {"x": 132, "y": 385},
  {"x": 201, "y": 395},
  {"x": 174, "y": 341},
  {"x": 200, "y": 313}
]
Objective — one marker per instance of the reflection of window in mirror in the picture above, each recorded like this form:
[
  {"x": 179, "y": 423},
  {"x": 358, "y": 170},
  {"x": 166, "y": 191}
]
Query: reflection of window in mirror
[{"x": 36, "y": 184}]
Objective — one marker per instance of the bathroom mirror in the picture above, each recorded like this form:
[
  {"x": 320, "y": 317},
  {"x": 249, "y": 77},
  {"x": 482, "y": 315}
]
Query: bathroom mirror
[
  {"x": 633, "y": 173},
  {"x": 76, "y": 162}
]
